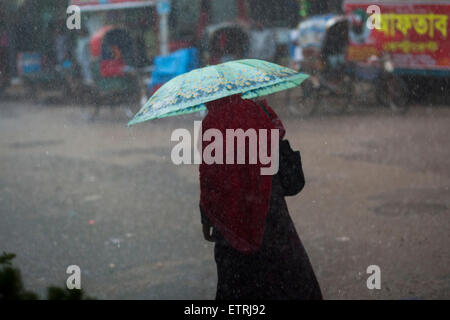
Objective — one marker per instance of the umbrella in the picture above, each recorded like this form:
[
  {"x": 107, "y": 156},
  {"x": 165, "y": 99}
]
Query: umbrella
[{"x": 190, "y": 91}]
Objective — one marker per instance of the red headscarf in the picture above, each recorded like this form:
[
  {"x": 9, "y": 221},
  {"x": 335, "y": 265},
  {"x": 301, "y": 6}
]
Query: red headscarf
[{"x": 236, "y": 197}]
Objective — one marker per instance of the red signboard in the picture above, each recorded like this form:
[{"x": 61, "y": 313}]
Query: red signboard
[{"x": 416, "y": 35}]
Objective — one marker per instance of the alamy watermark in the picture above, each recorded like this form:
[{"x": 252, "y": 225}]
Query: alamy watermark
[
  {"x": 374, "y": 19},
  {"x": 235, "y": 147},
  {"x": 73, "y": 21},
  {"x": 374, "y": 280},
  {"x": 74, "y": 280}
]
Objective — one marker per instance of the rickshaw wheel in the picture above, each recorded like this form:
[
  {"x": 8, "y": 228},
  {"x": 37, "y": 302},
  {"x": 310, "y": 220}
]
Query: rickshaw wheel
[
  {"x": 337, "y": 99},
  {"x": 302, "y": 101},
  {"x": 397, "y": 95},
  {"x": 345, "y": 99}
]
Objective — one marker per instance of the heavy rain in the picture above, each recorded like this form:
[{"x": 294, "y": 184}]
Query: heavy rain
[{"x": 99, "y": 198}]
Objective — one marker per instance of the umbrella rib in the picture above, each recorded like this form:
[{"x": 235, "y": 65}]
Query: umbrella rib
[
  {"x": 219, "y": 73},
  {"x": 249, "y": 65}
]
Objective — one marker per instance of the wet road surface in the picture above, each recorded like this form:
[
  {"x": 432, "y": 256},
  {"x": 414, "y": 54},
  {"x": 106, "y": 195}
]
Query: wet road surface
[{"x": 108, "y": 199}]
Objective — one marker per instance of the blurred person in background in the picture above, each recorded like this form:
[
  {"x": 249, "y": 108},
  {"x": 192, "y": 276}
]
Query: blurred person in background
[
  {"x": 83, "y": 56},
  {"x": 62, "y": 43},
  {"x": 262, "y": 42},
  {"x": 296, "y": 50}
]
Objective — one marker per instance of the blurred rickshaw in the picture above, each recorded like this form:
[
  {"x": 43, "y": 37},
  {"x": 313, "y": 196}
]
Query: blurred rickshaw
[
  {"x": 334, "y": 81},
  {"x": 224, "y": 42},
  {"x": 323, "y": 41},
  {"x": 116, "y": 71},
  {"x": 113, "y": 64},
  {"x": 49, "y": 68}
]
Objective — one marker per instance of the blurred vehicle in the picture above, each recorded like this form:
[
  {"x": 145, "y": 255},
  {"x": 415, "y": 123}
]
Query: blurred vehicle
[
  {"x": 227, "y": 30},
  {"x": 39, "y": 73},
  {"x": 49, "y": 66},
  {"x": 335, "y": 82},
  {"x": 115, "y": 76},
  {"x": 225, "y": 42},
  {"x": 413, "y": 33},
  {"x": 112, "y": 57},
  {"x": 323, "y": 41},
  {"x": 376, "y": 77}
]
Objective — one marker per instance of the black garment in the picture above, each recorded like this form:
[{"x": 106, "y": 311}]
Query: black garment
[{"x": 280, "y": 269}]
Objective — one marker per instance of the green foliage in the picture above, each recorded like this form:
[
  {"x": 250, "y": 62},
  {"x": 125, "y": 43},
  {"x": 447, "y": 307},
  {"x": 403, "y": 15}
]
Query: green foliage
[
  {"x": 6, "y": 258},
  {"x": 12, "y": 288},
  {"x": 57, "y": 293},
  {"x": 11, "y": 285}
]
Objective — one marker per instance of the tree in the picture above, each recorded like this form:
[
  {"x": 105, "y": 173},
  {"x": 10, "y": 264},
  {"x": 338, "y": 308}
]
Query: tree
[{"x": 12, "y": 288}]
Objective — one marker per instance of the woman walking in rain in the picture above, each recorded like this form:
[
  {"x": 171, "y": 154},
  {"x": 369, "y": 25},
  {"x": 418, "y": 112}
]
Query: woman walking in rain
[{"x": 257, "y": 250}]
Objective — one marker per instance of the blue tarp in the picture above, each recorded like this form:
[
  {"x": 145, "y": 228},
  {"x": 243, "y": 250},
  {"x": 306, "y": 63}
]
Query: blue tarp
[{"x": 172, "y": 65}]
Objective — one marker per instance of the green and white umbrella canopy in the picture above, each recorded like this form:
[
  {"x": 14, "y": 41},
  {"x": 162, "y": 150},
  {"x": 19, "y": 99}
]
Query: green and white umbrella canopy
[{"x": 189, "y": 92}]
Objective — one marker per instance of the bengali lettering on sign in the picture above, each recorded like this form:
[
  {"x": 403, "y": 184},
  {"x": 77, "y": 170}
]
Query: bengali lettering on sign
[
  {"x": 422, "y": 24},
  {"x": 408, "y": 46},
  {"x": 418, "y": 33}
]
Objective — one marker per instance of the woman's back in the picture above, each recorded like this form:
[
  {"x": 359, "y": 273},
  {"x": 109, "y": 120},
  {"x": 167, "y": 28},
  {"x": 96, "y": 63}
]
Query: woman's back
[{"x": 258, "y": 252}]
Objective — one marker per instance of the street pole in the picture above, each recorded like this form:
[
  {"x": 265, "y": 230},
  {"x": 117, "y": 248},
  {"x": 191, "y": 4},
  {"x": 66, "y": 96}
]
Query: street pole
[
  {"x": 163, "y": 12},
  {"x": 164, "y": 34}
]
